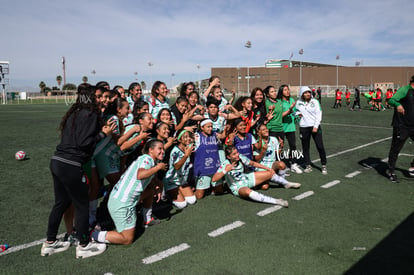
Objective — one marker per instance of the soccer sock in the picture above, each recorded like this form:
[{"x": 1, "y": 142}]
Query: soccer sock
[
  {"x": 147, "y": 213},
  {"x": 99, "y": 236},
  {"x": 191, "y": 199},
  {"x": 279, "y": 179},
  {"x": 282, "y": 173},
  {"x": 92, "y": 211},
  {"x": 256, "y": 196},
  {"x": 180, "y": 204}
]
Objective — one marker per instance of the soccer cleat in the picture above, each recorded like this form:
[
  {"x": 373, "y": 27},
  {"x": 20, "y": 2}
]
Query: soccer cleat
[
  {"x": 52, "y": 248},
  {"x": 308, "y": 169},
  {"x": 393, "y": 177},
  {"x": 282, "y": 202},
  {"x": 153, "y": 221},
  {"x": 293, "y": 185},
  {"x": 324, "y": 170},
  {"x": 411, "y": 171},
  {"x": 92, "y": 249},
  {"x": 296, "y": 169}
]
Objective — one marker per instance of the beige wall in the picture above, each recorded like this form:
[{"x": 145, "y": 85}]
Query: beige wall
[{"x": 313, "y": 76}]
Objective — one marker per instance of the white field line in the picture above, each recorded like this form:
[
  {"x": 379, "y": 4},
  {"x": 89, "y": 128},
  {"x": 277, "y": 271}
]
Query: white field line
[
  {"x": 27, "y": 245},
  {"x": 224, "y": 229},
  {"x": 355, "y": 148},
  {"x": 268, "y": 210},
  {"x": 357, "y": 126},
  {"x": 330, "y": 184},
  {"x": 353, "y": 174},
  {"x": 407, "y": 155},
  {"x": 166, "y": 253},
  {"x": 303, "y": 195}
]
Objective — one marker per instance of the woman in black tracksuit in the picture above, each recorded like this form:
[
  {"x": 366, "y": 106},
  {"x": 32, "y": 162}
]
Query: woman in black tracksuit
[{"x": 81, "y": 128}]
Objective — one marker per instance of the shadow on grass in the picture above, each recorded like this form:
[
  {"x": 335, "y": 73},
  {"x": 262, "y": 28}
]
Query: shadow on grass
[
  {"x": 381, "y": 167},
  {"x": 393, "y": 255}
]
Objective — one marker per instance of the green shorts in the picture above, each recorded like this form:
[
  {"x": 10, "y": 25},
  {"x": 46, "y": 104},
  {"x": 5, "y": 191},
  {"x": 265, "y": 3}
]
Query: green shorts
[
  {"x": 168, "y": 185},
  {"x": 204, "y": 182},
  {"x": 250, "y": 183},
  {"x": 107, "y": 165},
  {"x": 124, "y": 217}
]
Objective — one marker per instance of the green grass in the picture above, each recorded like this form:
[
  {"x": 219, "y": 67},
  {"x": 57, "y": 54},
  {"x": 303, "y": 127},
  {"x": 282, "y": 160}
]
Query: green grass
[{"x": 321, "y": 234}]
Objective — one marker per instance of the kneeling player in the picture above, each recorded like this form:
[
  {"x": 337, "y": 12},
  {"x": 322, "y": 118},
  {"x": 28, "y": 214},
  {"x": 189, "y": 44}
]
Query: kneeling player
[{"x": 133, "y": 186}]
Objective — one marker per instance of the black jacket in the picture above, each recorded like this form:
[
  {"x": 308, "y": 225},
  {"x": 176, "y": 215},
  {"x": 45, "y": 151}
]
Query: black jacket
[{"x": 79, "y": 136}]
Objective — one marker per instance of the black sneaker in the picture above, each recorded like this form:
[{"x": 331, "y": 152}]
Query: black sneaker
[{"x": 393, "y": 177}]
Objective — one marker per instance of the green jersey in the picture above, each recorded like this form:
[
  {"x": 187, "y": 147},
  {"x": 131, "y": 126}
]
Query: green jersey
[
  {"x": 275, "y": 124},
  {"x": 288, "y": 120}
]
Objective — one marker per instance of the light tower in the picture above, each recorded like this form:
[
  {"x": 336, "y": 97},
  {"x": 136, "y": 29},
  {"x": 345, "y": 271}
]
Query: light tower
[{"x": 4, "y": 69}]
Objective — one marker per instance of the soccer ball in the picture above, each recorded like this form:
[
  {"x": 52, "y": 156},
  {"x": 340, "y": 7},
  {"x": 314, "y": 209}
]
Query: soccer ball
[
  {"x": 20, "y": 155},
  {"x": 411, "y": 171}
]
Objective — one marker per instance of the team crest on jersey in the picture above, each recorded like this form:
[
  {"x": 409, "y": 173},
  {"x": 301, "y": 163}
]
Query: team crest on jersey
[{"x": 312, "y": 105}]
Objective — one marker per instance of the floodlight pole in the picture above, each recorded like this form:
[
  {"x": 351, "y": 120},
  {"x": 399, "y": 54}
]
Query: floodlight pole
[
  {"x": 64, "y": 70},
  {"x": 300, "y": 69},
  {"x": 199, "y": 80},
  {"x": 337, "y": 58},
  {"x": 4, "y": 69}
]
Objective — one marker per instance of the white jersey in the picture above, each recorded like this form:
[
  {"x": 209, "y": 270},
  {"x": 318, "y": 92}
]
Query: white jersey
[
  {"x": 218, "y": 124},
  {"x": 128, "y": 189},
  {"x": 271, "y": 153},
  {"x": 180, "y": 176},
  {"x": 236, "y": 176}
]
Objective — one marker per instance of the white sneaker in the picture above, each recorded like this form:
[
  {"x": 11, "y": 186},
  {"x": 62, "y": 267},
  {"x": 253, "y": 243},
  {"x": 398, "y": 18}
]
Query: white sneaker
[
  {"x": 52, "y": 248},
  {"x": 295, "y": 168},
  {"x": 324, "y": 170},
  {"x": 92, "y": 249},
  {"x": 293, "y": 185},
  {"x": 308, "y": 169},
  {"x": 282, "y": 202}
]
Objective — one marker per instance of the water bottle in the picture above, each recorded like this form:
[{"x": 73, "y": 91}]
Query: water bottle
[{"x": 4, "y": 247}]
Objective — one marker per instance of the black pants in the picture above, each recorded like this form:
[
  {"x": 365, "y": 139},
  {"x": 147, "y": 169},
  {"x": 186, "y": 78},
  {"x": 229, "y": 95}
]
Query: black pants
[
  {"x": 291, "y": 138},
  {"x": 70, "y": 187},
  {"x": 356, "y": 103},
  {"x": 277, "y": 134},
  {"x": 399, "y": 136},
  {"x": 305, "y": 136}
]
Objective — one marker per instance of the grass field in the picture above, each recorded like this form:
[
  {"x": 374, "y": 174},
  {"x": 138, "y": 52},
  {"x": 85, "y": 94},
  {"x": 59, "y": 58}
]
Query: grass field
[{"x": 361, "y": 225}]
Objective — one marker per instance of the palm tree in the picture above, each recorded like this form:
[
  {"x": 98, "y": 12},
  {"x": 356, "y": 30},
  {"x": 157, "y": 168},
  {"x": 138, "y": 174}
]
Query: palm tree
[
  {"x": 42, "y": 86},
  {"x": 84, "y": 79},
  {"x": 59, "y": 80}
]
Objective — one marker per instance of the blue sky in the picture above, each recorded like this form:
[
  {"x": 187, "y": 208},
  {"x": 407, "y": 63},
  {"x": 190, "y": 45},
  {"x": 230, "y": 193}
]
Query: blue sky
[{"x": 119, "y": 38}]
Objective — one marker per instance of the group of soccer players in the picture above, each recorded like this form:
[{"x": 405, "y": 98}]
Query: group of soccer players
[
  {"x": 374, "y": 99},
  {"x": 200, "y": 144}
]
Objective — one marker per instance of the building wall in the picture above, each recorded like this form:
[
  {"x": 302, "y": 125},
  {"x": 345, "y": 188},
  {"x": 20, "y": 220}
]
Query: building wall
[{"x": 312, "y": 76}]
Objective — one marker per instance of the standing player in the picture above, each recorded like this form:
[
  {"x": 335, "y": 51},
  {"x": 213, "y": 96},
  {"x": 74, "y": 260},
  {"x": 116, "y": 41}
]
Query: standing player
[
  {"x": 388, "y": 96},
  {"x": 338, "y": 99},
  {"x": 80, "y": 131},
  {"x": 403, "y": 125},
  {"x": 357, "y": 100},
  {"x": 348, "y": 98},
  {"x": 310, "y": 127},
  {"x": 289, "y": 124}
]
